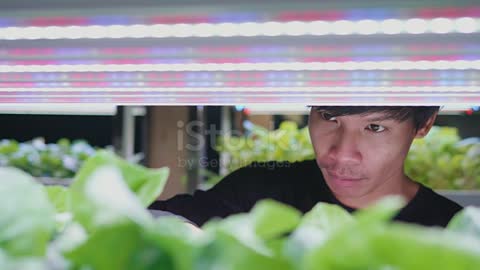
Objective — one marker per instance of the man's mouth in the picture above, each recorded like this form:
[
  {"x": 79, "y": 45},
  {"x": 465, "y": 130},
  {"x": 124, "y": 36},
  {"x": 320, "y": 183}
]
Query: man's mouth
[{"x": 344, "y": 180}]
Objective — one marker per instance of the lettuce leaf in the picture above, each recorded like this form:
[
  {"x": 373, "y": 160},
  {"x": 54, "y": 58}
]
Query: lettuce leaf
[{"x": 27, "y": 217}]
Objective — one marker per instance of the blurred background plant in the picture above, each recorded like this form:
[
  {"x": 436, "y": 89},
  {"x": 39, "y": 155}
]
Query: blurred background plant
[
  {"x": 57, "y": 160},
  {"x": 443, "y": 160}
]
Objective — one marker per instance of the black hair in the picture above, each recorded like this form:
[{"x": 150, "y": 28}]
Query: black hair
[{"x": 419, "y": 114}]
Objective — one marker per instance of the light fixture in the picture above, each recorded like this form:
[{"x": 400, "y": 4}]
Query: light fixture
[
  {"x": 246, "y": 29},
  {"x": 278, "y": 66},
  {"x": 474, "y": 90}
]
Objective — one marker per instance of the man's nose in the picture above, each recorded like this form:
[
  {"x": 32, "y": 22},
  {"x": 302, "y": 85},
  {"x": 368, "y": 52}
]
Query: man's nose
[{"x": 345, "y": 148}]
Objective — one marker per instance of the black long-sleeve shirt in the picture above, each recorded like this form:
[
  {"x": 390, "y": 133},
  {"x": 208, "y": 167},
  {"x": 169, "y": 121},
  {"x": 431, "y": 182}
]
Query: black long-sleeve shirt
[{"x": 299, "y": 184}]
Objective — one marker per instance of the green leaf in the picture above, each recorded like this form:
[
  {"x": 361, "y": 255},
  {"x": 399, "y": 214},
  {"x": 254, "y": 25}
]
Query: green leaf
[
  {"x": 466, "y": 221},
  {"x": 59, "y": 197},
  {"x": 272, "y": 218},
  {"x": 176, "y": 239},
  {"x": 27, "y": 217},
  {"x": 326, "y": 217},
  {"x": 315, "y": 228},
  {"x": 248, "y": 241},
  {"x": 29, "y": 263},
  {"x": 147, "y": 184},
  {"x": 103, "y": 198},
  {"x": 121, "y": 246},
  {"x": 382, "y": 211},
  {"x": 380, "y": 245}
]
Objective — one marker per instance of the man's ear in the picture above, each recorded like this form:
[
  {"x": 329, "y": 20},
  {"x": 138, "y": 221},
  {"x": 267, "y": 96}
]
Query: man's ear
[{"x": 423, "y": 131}]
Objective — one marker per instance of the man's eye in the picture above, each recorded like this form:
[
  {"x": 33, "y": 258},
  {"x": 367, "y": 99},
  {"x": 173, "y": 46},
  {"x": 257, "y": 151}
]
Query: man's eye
[
  {"x": 327, "y": 116},
  {"x": 375, "y": 128}
]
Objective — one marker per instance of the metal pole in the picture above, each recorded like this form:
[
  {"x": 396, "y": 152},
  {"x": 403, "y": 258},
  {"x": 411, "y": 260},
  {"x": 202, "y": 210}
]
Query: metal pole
[{"x": 128, "y": 133}]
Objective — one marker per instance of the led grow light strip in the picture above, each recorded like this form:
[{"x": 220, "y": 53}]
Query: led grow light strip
[
  {"x": 407, "y": 89},
  {"x": 219, "y": 85},
  {"x": 281, "y": 66},
  {"x": 215, "y": 76},
  {"x": 449, "y": 49},
  {"x": 249, "y": 29}
]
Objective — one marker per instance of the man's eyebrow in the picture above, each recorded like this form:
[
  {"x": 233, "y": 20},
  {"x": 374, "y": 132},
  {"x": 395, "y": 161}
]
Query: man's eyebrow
[{"x": 380, "y": 118}]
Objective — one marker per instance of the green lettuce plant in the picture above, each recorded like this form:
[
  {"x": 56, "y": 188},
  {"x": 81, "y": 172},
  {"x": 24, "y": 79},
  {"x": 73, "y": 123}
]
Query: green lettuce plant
[{"x": 105, "y": 226}]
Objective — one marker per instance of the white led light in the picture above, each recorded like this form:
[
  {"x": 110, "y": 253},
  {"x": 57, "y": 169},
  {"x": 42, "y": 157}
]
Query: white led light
[
  {"x": 228, "y": 30},
  {"x": 139, "y": 31},
  {"x": 442, "y": 64},
  {"x": 249, "y": 29},
  {"x": 75, "y": 32},
  {"x": 31, "y": 33},
  {"x": 416, "y": 26},
  {"x": 343, "y": 27},
  {"x": 423, "y": 65},
  {"x": 295, "y": 28},
  {"x": 320, "y": 89},
  {"x": 461, "y": 64},
  {"x": 161, "y": 31},
  {"x": 466, "y": 25},
  {"x": 441, "y": 26},
  {"x": 205, "y": 30},
  {"x": 272, "y": 29},
  {"x": 364, "y": 65},
  {"x": 475, "y": 65},
  {"x": 116, "y": 31},
  {"x": 367, "y": 27},
  {"x": 51, "y": 32},
  {"x": 182, "y": 30},
  {"x": 392, "y": 26},
  {"x": 318, "y": 28}
]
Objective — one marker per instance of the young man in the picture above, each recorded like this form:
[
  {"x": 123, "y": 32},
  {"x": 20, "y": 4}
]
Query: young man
[{"x": 360, "y": 154}]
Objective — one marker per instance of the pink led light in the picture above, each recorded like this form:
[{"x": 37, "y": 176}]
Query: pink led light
[
  {"x": 57, "y": 21},
  {"x": 325, "y": 59},
  {"x": 177, "y": 19},
  {"x": 244, "y": 84},
  {"x": 223, "y": 60},
  {"x": 125, "y": 61},
  {"x": 90, "y": 84},
  {"x": 33, "y": 62},
  {"x": 434, "y": 58},
  {"x": 166, "y": 84},
  {"x": 412, "y": 83},
  {"x": 329, "y": 83},
  {"x": 125, "y": 51},
  {"x": 17, "y": 84},
  {"x": 30, "y": 52},
  {"x": 450, "y": 12}
]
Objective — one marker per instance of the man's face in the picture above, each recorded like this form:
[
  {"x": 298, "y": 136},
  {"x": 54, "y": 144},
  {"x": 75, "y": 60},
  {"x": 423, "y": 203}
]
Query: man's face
[{"x": 359, "y": 153}]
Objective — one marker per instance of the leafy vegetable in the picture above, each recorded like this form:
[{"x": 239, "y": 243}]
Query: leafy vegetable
[
  {"x": 110, "y": 229},
  {"x": 59, "y": 197},
  {"x": 107, "y": 188},
  {"x": 60, "y": 160},
  {"x": 288, "y": 143},
  {"x": 147, "y": 184},
  {"x": 442, "y": 161},
  {"x": 467, "y": 222},
  {"x": 27, "y": 217}
]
